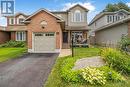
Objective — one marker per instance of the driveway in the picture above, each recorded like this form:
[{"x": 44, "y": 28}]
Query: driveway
[{"x": 31, "y": 70}]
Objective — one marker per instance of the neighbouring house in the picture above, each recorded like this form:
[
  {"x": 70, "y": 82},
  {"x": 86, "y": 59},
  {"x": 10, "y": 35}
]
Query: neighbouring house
[
  {"x": 109, "y": 27},
  {"x": 47, "y": 31},
  {"x": 4, "y": 36}
]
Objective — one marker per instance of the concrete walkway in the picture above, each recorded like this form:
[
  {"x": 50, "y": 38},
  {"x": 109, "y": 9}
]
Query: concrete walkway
[
  {"x": 31, "y": 70},
  {"x": 65, "y": 52},
  {"x": 90, "y": 61}
]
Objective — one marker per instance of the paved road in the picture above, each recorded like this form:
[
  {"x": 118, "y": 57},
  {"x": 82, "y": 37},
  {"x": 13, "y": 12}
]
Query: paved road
[{"x": 30, "y": 70}]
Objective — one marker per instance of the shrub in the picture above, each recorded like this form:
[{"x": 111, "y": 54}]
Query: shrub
[
  {"x": 124, "y": 43},
  {"x": 93, "y": 76},
  {"x": 116, "y": 59},
  {"x": 14, "y": 44},
  {"x": 66, "y": 72},
  {"x": 112, "y": 75}
]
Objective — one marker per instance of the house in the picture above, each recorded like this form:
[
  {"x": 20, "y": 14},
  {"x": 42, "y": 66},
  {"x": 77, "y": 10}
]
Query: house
[
  {"x": 47, "y": 31},
  {"x": 109, "y": 27}
]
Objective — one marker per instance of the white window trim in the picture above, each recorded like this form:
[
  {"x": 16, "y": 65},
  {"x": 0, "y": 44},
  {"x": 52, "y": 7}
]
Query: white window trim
[
  {"x": 82, "y": 17},
  {"x": 10, "y": 19},
  {"x": 18, "y": 34},
  {"x": 77, "y": 11},
  {"x": 72, "y": 17},
  {"x": 18, "y": 21}
]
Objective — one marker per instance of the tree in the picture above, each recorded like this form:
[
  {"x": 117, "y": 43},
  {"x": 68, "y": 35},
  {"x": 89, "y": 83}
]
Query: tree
[{"x": 116, "y": 7}]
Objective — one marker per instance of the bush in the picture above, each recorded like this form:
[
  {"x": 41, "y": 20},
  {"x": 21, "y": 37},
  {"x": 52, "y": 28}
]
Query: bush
[
  {"x": 14, "y": 44},
  {"x": 93, "y": 76},
  {"x": 116, "y": 59},
  {"x": 124, "y": 43},
  {"x": 66, "y": 72},
  {"x": 112, "y": 75}
]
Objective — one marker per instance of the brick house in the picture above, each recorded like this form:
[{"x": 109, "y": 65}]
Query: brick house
[{"x": 47, "y": 31}]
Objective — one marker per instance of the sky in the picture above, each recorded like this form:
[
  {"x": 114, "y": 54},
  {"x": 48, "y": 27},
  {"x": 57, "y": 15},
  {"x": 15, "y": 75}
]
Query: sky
[{"x": 30, "y": 6}]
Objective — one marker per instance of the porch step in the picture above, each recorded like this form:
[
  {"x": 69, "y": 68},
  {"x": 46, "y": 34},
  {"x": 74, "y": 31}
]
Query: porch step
[
  {"x": 65, "y": 46},
  {"x": 65, "y": 52}
]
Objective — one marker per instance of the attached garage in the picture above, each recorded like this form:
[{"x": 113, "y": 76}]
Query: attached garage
[
  {"x": 44, "y": 32},
  {"x": 44, "y": 42}
]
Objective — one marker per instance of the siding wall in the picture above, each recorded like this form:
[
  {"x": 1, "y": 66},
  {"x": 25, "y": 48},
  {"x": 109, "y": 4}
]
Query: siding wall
[
  {"x": 129, "y": 28},
  {"x": 111, "y": 36},
  {"x": 99, "y": 23}
]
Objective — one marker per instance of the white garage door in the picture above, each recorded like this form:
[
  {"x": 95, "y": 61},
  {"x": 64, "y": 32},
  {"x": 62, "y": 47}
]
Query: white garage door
[{"x": 44, "y": 42}]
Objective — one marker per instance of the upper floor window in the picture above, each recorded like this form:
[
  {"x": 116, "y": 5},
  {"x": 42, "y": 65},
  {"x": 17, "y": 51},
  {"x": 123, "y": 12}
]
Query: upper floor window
[
  {"x": 77, "y": 16},
  {"x": 21, "y": 20},
  {"x": 11, "y": 21},
  {"x": 109, "y": 18}
]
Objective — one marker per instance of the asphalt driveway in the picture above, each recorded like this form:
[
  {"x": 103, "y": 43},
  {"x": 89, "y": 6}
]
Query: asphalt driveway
[{"x": 31, "y": 70}]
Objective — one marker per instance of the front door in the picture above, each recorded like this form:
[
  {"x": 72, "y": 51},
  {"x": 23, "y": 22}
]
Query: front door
[{"x": 65, "y": 37}]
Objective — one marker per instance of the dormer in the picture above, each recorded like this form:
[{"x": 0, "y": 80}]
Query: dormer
[
  {"x": 20, "y": 18},
  {"x": 77, "y": 16},
  {"x": 17, "y": 19},
  {"x": 116, "y": 16}
]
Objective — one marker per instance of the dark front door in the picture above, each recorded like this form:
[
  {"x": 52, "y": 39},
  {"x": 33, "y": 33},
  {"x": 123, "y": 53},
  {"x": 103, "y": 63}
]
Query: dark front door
[{"x": 65, "y": 37}]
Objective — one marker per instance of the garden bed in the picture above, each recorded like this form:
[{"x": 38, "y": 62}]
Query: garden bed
[{"x": 62, "y": 74}]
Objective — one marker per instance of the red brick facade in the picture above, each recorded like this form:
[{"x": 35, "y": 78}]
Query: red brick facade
[
  {"x": 52, "y": 26},
  {"x": 13, "y": 37},
  {"x": 4, "y": 36}
]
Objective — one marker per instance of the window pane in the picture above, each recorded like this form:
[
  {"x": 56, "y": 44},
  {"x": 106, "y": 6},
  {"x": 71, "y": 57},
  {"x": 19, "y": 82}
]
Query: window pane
[
  {"x": 21, "y": 36},
  {"x": 21, "y": 21},
  {"x": 77, "y": 16}
]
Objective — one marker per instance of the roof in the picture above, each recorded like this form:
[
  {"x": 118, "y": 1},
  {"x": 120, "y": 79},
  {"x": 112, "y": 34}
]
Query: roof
[
  {"x": 58, "y": 11},
  {"x": 17, "y": 14},
  {"x": 77, "y": 28},
  {"x": 42, "y": 9},
  {"x": 2, "y": 28},
  {"x": 125, "y": 20},
  {"x": 106, "y": 13},
  {"x": 79, "y": 6}
]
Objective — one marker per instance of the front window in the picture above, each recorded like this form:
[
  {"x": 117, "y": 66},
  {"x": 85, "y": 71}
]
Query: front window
[
  {"x": 77, "y": 16},
  {"x": 21, "y": 20},
  {"x": 20, "y": 36},
  {"x": 11, "y": 21},
  {"x": 79, "y": 37}
]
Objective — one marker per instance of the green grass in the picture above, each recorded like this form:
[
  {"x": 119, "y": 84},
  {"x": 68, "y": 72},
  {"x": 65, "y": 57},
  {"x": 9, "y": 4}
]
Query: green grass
[
  {"x": 55, "y": 80},
  {"x": 10, "y": 53}
]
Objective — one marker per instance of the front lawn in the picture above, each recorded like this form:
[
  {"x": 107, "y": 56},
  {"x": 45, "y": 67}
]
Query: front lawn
[
  {"x": 10, "y": 53},
  {"x": 55, "y": 79}
]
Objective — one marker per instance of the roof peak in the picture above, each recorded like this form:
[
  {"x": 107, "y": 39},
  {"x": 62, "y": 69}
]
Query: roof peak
[{"x": 78, "y": 5}]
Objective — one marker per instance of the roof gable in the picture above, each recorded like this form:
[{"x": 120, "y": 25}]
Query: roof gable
[
  {"x": 18, "y": 14},
  {"x": 35, "y": 13},
  {"x": 78, "y": 5}
]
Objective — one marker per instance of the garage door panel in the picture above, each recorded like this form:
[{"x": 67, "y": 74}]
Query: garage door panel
[{"x": 44, "y": 43}]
